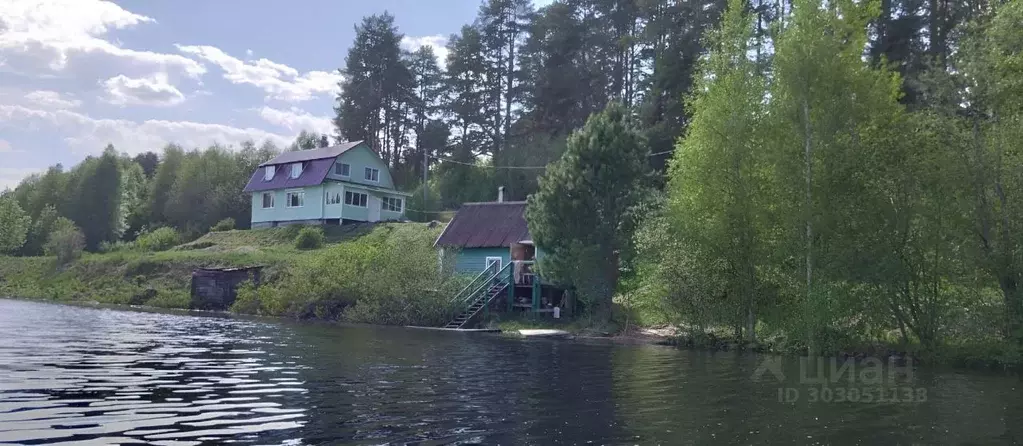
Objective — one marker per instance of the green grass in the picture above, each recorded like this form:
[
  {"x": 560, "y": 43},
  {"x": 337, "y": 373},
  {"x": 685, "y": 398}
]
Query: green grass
[{"x": 162, "y": 279}]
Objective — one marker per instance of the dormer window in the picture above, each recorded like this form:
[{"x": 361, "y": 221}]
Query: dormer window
[
  {"x": 296, "y": 170},
  {"x": 268, "y": 173}
]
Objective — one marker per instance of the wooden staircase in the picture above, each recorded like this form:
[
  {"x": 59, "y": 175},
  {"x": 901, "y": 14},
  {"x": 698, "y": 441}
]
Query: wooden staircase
[{"x": 475, "y": 297}]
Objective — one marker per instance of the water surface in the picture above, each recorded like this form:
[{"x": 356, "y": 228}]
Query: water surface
[{"x": 98, "y": 376}]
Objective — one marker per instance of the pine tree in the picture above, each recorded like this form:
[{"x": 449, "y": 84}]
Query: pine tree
[{"x": 585, "y": 210}]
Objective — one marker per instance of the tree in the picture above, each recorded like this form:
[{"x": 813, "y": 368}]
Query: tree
[
  {"x": 14, "y": 225},
  {"x": 376, "y": 90},
  {"x": 65, "y": 242},
  {"x": 308, "y": 141},
  {"x": 149, "y": 161},
  {"x": 830, "y": 112},
  {"x": 132, "y": 214},
  {"x": 716, "y": 203},
  {"x": 466, "y": 95},
  {"x": 96, "y": 198},
  {"x": 164, "y": 178},
  {"x": 991, "y": 66},
  {"x": 584, "y": 212},
  {"x": 424, "y": 108},
  {"x": 502, "y": 24}
]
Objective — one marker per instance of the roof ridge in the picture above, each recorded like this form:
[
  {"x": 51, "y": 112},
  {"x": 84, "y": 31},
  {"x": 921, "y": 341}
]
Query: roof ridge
[{"x": 480, "y": 203}]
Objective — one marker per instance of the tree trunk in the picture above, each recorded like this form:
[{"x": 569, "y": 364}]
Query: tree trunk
[{"x": 808, "y": 155}]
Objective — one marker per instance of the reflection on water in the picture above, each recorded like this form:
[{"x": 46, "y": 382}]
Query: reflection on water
[{"x": 90, "y": 376}]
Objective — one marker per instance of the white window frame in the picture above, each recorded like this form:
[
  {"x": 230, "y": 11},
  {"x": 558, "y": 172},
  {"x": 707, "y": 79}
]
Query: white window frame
[
  {"x": 340, "y": 171},
  {"x": 263, "y": 198},
  {"x": 497, "y": 260},
  {"x": 331, "y": 194},
  {"x": 355, "y": 202},
  {"x": 398, "y": 201},
  {"x": 296, "y": 170},
  {"x": 268, "y": 173},
  {"x": 368, "y": 174},
  {"x": 301, "y": 198}
]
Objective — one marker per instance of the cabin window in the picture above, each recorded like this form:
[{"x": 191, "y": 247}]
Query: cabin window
[
  {"x": 268, "y": 173},
  {"x": 333, "y": 197},
  {"x": 372, "y": 174},
  {"x": 392, "y": 204},
  {"x": 343, "y": 169},
  {"x": 268, "y": 200},
  {"x": 296, "y": 170},
  {"x": 355, "y": 199},
  {"x": 296, "y": 199}
]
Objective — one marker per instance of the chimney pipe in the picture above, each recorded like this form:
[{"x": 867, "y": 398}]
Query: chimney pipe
[{"x": 500, "y": 194}]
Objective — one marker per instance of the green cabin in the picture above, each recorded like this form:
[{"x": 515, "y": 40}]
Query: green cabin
[{"x": 491, "y": 242}]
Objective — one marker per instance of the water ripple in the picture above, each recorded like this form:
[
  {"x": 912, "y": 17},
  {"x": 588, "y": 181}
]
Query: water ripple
[{"x": 101, "y": 377}]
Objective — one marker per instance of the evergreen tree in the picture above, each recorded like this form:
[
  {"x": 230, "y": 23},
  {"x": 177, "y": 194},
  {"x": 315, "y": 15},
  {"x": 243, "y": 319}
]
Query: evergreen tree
[
  {"x": 584, "y": 212},
  {"x": 376, "y": 90}
]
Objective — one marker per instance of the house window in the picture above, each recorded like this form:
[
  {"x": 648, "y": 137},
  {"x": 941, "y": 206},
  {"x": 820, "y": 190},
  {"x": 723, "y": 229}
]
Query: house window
[
  {"x": 392, "y": 204},
  {"x": 268, "y": 200},
  {"x": 296, "y": 199},
  {"x": 355, "y": 199},
  {"x": 268, "y": 173},
  {"x": 333, "y": 197},
  {"x": 372, "y": 174},
  {"x": 343, "y": 169},
  {"x": 296, "y": 170}
]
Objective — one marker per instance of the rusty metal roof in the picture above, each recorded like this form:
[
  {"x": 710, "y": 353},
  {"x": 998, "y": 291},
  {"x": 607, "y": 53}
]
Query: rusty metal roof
[{"x": 486, "y": 225}]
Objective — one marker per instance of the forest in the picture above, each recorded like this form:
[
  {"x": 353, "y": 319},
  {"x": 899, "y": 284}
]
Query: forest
[{"x": 822, "y": 175}]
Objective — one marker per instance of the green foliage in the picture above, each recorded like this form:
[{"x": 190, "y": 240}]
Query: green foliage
[
  {"x": 389, "y": 276},
  {"x": 310, "y": 237},
  {"x": 14, "y": 225},
  {"x": 588, "y": 205},
  {"x": 226, "y": 224},
  {"x": 95, "y": 205},
  {"x": 66, "y": 242},
  {"x": 160, "y": 239}
]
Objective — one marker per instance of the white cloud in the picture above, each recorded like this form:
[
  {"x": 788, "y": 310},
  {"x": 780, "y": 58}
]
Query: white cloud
[
  {"x": 279, "y": 81},
  {"x": 89, "y": 135},
  {"x": 297, "y": 120},
  {"x": 51, "y": 100},
  {"x": 153, "y": 90},
  {"x": 437, "y": 42},
  {"x": 55, "y": 34}
]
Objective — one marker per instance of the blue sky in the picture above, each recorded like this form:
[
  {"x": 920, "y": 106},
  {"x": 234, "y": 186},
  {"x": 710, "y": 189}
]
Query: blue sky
[{"x": 78, "y": 74}]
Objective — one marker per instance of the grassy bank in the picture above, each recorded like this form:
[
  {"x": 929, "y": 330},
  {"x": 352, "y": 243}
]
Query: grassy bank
[{"x": 362, "y": 273}]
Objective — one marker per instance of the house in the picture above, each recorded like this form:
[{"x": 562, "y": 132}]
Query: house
[
  {"x": 491, "y": 241},
  {"x": 329, "y": 185}
]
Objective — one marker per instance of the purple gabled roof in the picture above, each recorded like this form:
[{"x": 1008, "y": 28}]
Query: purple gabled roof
[
  {"x": 315, "y": 154},
  {"x": 486, "y": 225},
  {"x": 313, "y": 173}
]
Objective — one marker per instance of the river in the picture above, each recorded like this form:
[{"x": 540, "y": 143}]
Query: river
[{"x": 80, "y": 375}]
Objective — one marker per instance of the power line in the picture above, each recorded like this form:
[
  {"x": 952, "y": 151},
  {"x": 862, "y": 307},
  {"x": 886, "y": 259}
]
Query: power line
[{"x": 440, "y": 158}]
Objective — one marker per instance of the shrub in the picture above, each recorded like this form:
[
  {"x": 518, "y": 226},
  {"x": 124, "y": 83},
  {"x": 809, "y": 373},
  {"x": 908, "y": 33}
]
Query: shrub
[
  {"x": 386, "y": 277},
  {"x": 310, "y": 238},
  {"x": 66, "y": 242},
  {"x": 161, "y": 239},
  {"x": 226, "y": 224}
]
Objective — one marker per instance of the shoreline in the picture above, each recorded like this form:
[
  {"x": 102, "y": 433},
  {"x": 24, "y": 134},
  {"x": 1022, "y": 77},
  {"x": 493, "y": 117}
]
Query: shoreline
[{"x": 645, "y": 337}]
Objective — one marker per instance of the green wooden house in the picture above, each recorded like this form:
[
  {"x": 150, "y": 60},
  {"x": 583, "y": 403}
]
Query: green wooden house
[{"x": 491, "y": 242}]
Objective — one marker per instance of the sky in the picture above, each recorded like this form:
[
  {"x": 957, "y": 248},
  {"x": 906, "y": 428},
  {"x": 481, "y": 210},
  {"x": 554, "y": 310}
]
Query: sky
[{"x": 76, "y": 75}]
